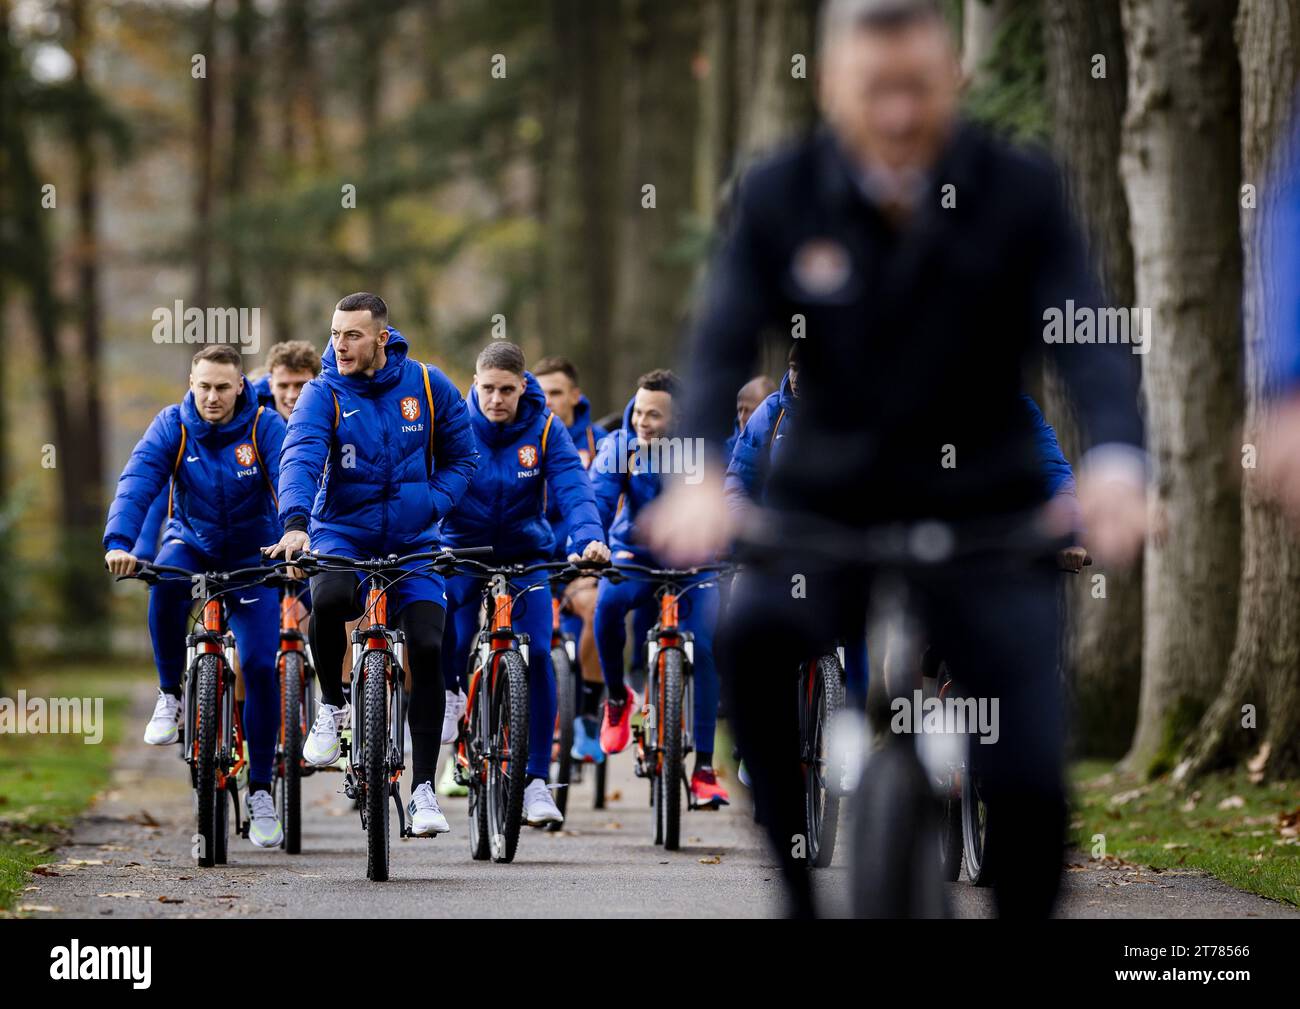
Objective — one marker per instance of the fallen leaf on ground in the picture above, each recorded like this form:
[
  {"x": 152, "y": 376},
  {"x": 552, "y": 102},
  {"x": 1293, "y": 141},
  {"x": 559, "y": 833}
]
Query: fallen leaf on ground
[
  {"x": 121, "y": 894},
  {"x": 1232, "y": 802},
  {"x": 171, "y": 900},
  {"x": 613, "y": 825},
  {"x": 36, "y": 907},
  {"x": 615, "y": 795},
  {"x": 144, "y": 819},
  {"x": 711, "y": 860},
  {"x": 44, "y": 870}
]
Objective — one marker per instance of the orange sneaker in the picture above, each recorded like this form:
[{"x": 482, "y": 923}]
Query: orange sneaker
[
  {"x": 616, "y": 724},
  {"x": 706, "y": 790}
]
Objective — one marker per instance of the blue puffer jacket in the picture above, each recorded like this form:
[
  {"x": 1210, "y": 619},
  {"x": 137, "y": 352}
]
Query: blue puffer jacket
[
  {"x": 751, "y": 458},
  {"x": 262, "y": 390},
  {"x": 621, "y": 493},
  {"x": 1056, "y": 468},
  {"x": 522, "y": 464},
  {"x": 356, "y": 456},
  {"x": 223, "y": 498},
  {"x": 586, "y": 436}
]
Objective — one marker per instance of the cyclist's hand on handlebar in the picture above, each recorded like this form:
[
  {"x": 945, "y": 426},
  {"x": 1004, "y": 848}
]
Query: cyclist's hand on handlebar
[
  {"x": 291, "y": 544},
  {"x": 120, "y": 562},
  {"x": 1113, "y": 507},
  {"x": 688, "y": 524},
  {"x": 1072, "y": 559},
  {"x": 595, "y": 551}
]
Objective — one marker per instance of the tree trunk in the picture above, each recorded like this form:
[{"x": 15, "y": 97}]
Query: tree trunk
[
  {"x": 204, "y": 128},
  {"x": 582, "y": 192},
  {"x": 659, "y": 112},
  {"x": 981, "y": 22},
  {"x": 1104, "y": 646},
  {"x": 1181, "y": 167},
  {"x": 1265, "y": 667},
  {"x": 243, "y": 137},
  {"x": 773, "y": 104},
  {"x": 82, "y": 463}
]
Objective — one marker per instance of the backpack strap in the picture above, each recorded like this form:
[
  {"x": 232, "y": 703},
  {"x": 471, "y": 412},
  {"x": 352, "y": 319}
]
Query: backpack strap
[
  {"x": 336, "y": 408},
  {"x": 257, "y": 454},
  {"x": 776, "y": 427},
  {"x": 428, "y": 394},
  {"x": 176, "y": 468},
  {"x": 546, "y": 433}
]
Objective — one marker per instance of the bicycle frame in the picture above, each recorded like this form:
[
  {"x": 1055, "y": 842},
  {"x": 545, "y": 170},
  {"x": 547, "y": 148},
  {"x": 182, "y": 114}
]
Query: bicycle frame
[
  {"x": 214, "y": 639},
  {"x": 293, "y": 638},
  {"x": 666, "y": 634},
  {"x": 378, "y": 637}
]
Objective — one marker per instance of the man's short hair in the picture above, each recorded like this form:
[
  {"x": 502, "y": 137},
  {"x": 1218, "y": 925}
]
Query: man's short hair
[
  {"x": 501, "y": 355},
  {"x": 793, "y": 356},
  {"x": 841, "y": 16},
  {"x": 659, "y": 380},
  {"x": 296, "y": 355},
  {"x": 550, "y": 365},
  {"x": 363, "y": 301},
  {"x": 219, "y": 353}
]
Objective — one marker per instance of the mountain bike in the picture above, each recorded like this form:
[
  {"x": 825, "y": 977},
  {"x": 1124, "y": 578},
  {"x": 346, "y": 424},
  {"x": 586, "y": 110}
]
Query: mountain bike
[
  {"x": 491, "y": 750},
  {"x": 374, "y": 755},
  {"x": 896, "y": 866},
  {"x": 297, "y": 676},
  {"x": 664, "y": 737},
  {"x": 212, "y": 732}
]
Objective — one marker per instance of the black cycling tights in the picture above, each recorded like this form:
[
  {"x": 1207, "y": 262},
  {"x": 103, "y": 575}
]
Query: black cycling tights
[{"x": 336, "y": 600}]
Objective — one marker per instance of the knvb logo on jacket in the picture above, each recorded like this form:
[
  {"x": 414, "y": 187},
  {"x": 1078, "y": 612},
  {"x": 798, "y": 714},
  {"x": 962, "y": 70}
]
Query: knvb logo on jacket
[
  {"x": 528, "y": 456},
  {"x": 244, "y": 454},
  {"x": 410, "y": 408}
]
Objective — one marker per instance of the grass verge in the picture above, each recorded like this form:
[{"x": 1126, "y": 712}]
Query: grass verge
[
  {"x": 1245, "y": 834},
  {"x": 47, "y": 779}
]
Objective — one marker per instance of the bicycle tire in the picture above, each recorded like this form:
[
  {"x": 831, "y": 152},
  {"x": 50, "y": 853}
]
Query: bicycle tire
[
  {"x": 476, "y": 733},
  {"x": 566, "y": 690},
  {"x": 374, "y": 754},
  {"x": 599, "y": 800},
  {"x": 672, "y": 693},
  {"x": 291, "y": 722},
  {"x": 974, "y": 830},
  {"x": 207, "y": 674},
  {"x": 822, "y": 803},
  {"x": 507, "y": 770},
  {"x": 893, "y": 865}
]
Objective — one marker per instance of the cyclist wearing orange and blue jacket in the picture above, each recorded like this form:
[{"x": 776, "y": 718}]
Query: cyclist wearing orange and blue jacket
[
  {"x": 627, "y": 476},
  {"x": 526, "y": 459},
  {"x": 220, "y": 451}
]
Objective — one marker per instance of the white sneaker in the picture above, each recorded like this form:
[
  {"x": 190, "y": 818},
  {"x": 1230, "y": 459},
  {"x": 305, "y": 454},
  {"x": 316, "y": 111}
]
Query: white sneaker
[
  {"x": 426, "y": 817},
  {"x": 322, "y": 745},
  {"x": 165, "y": 722},
  {"x": 539, "y": 806},
  {"x": 452, "y": 715},
  {"x": 263, "y": 825}
]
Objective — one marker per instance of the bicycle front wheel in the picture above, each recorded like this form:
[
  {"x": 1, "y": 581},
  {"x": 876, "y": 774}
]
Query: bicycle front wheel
[
  {"x": 508, "y": 763},
  {"x": 207, "y": 796},
  {"x": 672, "y": 695},
  {"x": 374, "y": 743},
  {"x": 822, "y": 694},
  {"x": 292, "y": 731}
]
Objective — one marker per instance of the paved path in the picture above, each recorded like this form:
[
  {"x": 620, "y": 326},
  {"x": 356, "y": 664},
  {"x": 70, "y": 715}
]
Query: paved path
[{"x": 130, "y": 856}]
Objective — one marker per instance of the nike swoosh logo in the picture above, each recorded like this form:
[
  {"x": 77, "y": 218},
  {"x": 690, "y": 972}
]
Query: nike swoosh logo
[
  {"x": 349, "y": 413},
  {"x": 247, "y": 601},
  {"x": 191, "y": 458}
]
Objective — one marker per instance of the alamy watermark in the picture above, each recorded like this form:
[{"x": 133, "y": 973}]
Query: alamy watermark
[
  {"x": 679, "y": 456},
  {"x": 1085, "y": 324},
  {"x": 959, "y": 715},
  {"x": 179, "y": 324},
  {"x": 80, "y": 716}
]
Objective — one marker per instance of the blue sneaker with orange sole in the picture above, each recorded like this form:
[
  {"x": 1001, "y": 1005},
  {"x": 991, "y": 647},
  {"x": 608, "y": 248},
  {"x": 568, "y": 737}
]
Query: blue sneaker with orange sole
[{"x": 586, "y": 742}]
